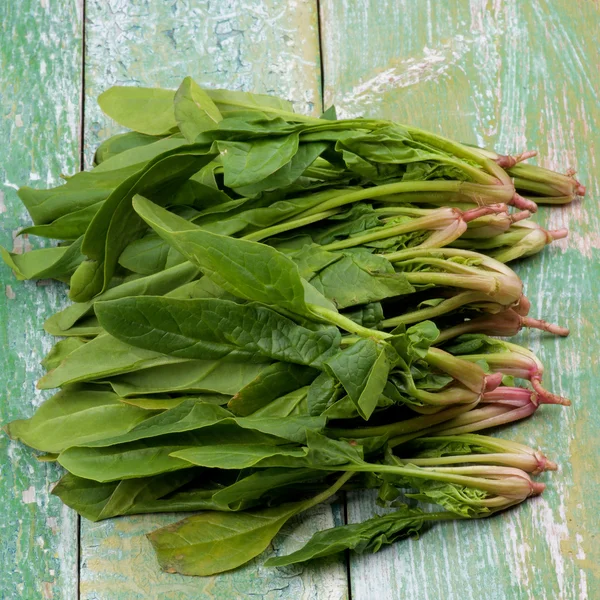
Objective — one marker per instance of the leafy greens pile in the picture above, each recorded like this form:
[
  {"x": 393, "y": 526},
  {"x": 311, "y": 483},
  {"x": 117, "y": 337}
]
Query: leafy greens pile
[{"x": 270, "y": 308}]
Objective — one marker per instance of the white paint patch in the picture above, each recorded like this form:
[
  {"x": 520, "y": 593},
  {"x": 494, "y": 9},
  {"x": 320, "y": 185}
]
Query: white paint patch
[
  {"x": 583, "y": 591},
  {"x": 555, "y": 530},
  {"x": 45, "y": 3},
  {"x": 433, "y": 65},
  {"x": 2, "y": 205},
  {"x": 580, "y": 551},
  {"x": 9, "y": 292},
  {"x": 14, "y": 186},
  {"x": 18, "y": 121},
  {"x": 28, "y": 495},
  {"x": 39, "y": 541},
  {"x": 34, "y": 176}
]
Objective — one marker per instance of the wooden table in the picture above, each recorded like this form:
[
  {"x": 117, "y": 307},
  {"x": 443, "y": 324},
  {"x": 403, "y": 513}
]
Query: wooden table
[{"x": 505, "y": 73}]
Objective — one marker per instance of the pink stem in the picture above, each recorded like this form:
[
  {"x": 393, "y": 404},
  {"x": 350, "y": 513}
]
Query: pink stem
[
  {"x": 520, "y": 396},
  {"x": 546, "y": 397},
  {"x": 508, "y": 161},
  {"x": 519, "y": 216},
  {"x": 523, "y": 203},
  {"x": 544, "y": 326},
  {"x": 558, "y": 234},
  {"x": 537, "y": 487},
  {"x": 492, "y": 382},
  {"x": 522, "y": 306},
  {"x": 481, "y": 211}
]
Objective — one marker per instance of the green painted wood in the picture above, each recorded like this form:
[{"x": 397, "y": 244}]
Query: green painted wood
[
  {"x": 40, "y": 67},
  {"x": 511, "y": 75},
  {"x": 263, "y": 46}
]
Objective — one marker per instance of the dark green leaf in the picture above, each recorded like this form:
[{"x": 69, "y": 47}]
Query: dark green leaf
[
  {"x": 273, "y": 382},
  {"x": 215, "y": 329},
  {"x": 368, "y": 536}
]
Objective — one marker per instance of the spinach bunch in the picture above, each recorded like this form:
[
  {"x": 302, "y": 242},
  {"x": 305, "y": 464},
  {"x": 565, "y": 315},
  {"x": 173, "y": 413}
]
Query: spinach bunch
[{"x": 270, "y": 308}]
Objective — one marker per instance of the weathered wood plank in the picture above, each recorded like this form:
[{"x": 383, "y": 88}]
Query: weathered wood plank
[
  {"x": 512, "y": 75},
  {"x": 263, "y": 46},
  {"x": 40, "y": 66}
]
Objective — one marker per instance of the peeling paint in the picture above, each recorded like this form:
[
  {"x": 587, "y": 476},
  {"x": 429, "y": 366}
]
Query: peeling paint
[{"x": 28, "y": 496}]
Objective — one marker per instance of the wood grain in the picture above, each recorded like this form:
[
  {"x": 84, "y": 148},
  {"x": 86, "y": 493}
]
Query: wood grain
[
  {"x": 264, "y": 46},
  {"x": 511, "y": 75},
  {"x": 40, "y": 66}
]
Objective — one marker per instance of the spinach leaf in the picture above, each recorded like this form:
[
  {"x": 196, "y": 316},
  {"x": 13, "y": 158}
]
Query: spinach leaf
[
  {"x": 194, "y": 110},
  {"x": 120, "y": 143},
  {"x": 205, "y": 376},
  {"x": 293, "y": 403},
  {"x": 76, "y": 416},
  {"x": 368, "y": 536},
  {"x": 102, "y": 357},
  {"x": 246, "y": 269},
  {"x": 211, "y": 543},
  {"x": 66, "y": 227},
  {"x": 360, "y": 278},
  {"x": 153, "y": 456},
  {"x": 323, "y": 392},
  {"x": 159, "y": 283},
  {"x": 60, "y": 351},
  {"x": 97, "y": 501},
  {"x": 116, "y": 223},
  {"x": 145, "y": 110},
  {"x": 46, "y": 263},
  {"x": 363, "y": 370},
  {"x": 276, "y": 380},
  {"x": 248, "y": 163},
  {"x": 215, "y": 329}
]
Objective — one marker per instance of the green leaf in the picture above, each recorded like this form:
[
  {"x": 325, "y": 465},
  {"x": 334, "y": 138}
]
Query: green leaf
[
  {"x": 205, "y": 376},
  {"x": 190, "y": 415},
  {"x": 360, "y": 278},
  {"x": 243, "y": 456},
  {"x": 363, "y": 370},
  {"x": 71, "y": 226},
  {"x": 120, "y": 143},
  {"x": 248, "y": 163},
  {"x": 96, "y": 501},
  {"x": 228, "y": 100},
  {"x": 153, "y": 456},
  {"x": 163, "y": 403},
  {"x": 273, "y": 382},
  {"x": 215, "y": 329},
  {"x": 289, "y": 172},
  {"x": 290, "y": 404},
  {"x": 246, "y": 269},
  {"x": 323, "y": 391},
  {"x": 81, "y": 191},
  {"x": 60, "y": 351},
  {"x": 46, "y": 263},
  {"x": 75, "y": 417},
  {"x": 102, "y": 357},
  {"x": 194, "y": 111},
  {"x": 159, "y": 283},
  {"x": 261, "y": 483},
  {"x": 142, "y": 155},
  {"x": 211, "y": 543},
  {"x": 368, "y": 536},
  {"x": 116, "y": 224},
  {"x": 146, "y": 110}
]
